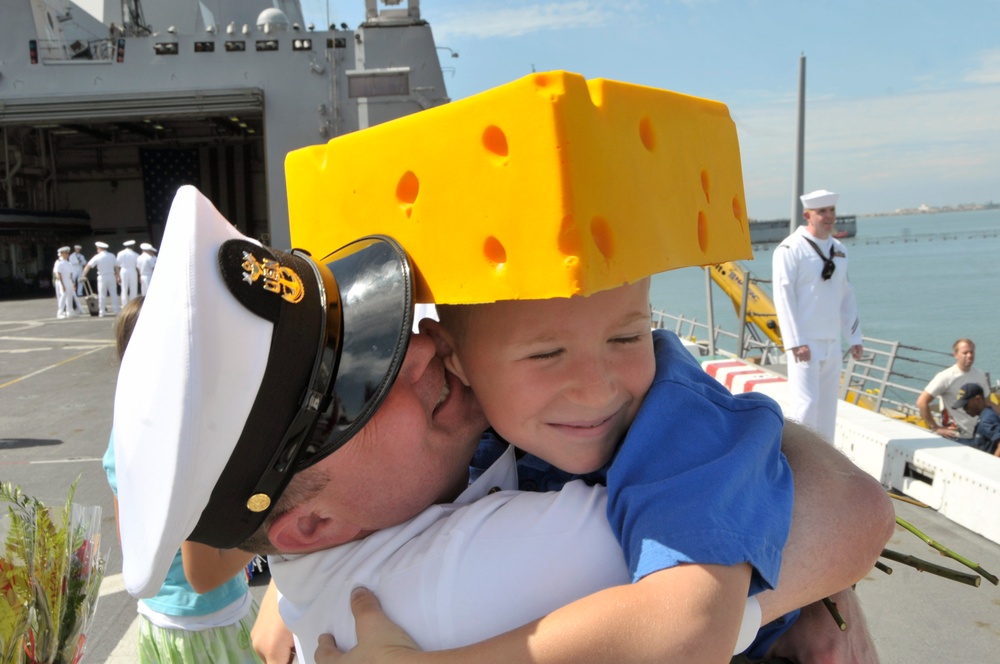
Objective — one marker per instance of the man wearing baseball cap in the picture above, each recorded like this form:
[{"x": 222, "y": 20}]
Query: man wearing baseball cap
[
  {"x": 815, "y": 306},
  {"x": 972, "y": 400},
  {"x": 272, "y": 364}
]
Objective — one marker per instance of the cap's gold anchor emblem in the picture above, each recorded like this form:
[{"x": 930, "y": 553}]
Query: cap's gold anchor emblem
[
  {"x": 258, "y": 502},
  {"x": 277, "y": 279}
]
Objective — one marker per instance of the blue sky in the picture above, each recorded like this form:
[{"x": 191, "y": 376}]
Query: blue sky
[{"x": 902, "y": 98}]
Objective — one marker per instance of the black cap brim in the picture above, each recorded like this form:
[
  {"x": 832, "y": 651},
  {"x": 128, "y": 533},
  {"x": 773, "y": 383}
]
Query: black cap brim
[{"x": 375, "y": 283}]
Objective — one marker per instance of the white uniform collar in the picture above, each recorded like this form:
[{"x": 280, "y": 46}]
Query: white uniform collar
[{"x": 502, "y": 474}]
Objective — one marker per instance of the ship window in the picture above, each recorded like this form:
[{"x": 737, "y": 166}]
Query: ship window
[
  {"x": 267, "y": 44},
  {"x": 236, "y": 46},
  {"x": 204, "y": 47},
  {"x": 165, "y": 48},
  {"x": 378, "y": 84}
]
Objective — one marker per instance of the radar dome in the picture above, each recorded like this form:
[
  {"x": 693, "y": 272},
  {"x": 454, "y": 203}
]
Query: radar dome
[{"x": 272, "y": 20}]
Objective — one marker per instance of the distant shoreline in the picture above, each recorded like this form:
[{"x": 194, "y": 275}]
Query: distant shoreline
[{"x": 924, "y": 209}]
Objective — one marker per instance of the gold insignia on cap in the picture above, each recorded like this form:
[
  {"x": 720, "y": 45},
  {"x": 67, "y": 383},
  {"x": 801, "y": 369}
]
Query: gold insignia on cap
[
  {"x": 277, "y": 279},
  {"x": 259, "y": 502}
]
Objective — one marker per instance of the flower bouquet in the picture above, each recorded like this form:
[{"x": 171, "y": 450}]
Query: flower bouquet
[{"x": 50, "y": 576}]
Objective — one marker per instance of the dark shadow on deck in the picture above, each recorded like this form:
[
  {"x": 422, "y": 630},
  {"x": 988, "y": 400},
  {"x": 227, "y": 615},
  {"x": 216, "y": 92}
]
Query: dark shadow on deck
[{"x": 18, "y": 443}]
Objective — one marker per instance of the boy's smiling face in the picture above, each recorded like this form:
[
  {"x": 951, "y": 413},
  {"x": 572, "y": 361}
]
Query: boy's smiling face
[{"x": 560, "y": 378}]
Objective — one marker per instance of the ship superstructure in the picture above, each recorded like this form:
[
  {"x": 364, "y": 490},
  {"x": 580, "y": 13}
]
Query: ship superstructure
[{"x": 107, "y": 105}]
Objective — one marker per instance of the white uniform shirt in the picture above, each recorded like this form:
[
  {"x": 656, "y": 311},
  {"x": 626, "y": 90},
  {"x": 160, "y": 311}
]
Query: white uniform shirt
[
  {"x": 77, "y": 260},
  {"x": 63, "y": 273},
  {"x": 127, "y": 259},
  {"x": 946, "y": 385},
  {"x": 460, "y": 573},
  {"x": 809, "y": 307},
  {"x": 105, "y": 263},
  {"x": 146, "y": 263}
]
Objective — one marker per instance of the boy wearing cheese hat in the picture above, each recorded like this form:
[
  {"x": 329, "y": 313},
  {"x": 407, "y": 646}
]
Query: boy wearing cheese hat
[{"x": 504, "y": 350}]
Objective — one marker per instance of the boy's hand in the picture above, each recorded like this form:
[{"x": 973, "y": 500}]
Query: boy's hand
[{"x": 379, "y": 639}]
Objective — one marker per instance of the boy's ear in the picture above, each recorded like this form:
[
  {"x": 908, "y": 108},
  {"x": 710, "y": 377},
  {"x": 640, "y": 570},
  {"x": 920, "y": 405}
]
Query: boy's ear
[
  {"x": 302, "y": 529},
  {"x": 444, "y": 347}
]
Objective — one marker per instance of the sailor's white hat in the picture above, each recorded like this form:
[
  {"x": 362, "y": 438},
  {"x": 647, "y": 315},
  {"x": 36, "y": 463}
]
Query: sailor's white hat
[
  {"x": 101, "y": 245},
  {"x": 265, "y": 362},
  {"x": 128, "y": 243},
  {"x": 76, "y": 246},
  {"x": 62, "y": 250},
  {"x": 145, "y": 246},
  {"x": 820, "y": 198}
]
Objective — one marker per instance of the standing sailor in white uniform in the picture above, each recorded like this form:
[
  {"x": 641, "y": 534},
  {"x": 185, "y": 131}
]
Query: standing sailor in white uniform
[
  {"x": 107, "y": 277},
  {"x": 62, "y": 276},
  {"x": 128, "y": 273},
  {"x": 815, "y": 306},
  {"x": 77, "y": 261},
  {"x": 145, "y": 265}
]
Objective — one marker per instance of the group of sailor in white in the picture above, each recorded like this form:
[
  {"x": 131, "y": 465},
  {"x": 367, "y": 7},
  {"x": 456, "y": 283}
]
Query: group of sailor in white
[{"x": 132, "y": 270}]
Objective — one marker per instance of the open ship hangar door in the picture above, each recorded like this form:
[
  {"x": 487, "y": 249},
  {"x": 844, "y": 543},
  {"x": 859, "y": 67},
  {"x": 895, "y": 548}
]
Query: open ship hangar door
[{"x": 120, "y": 157}]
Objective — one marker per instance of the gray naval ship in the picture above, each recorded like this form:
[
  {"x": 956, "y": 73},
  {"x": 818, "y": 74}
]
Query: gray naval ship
[{"x": 106, "y": 106}]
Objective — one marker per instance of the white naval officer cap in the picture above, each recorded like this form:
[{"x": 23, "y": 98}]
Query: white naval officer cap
[
  {"x": 128, "y": 243},
  {"x": 820, "y": 198},
  {"x": 62, "y": 250},
  {"x": 145, "y": 246},
  {"x": 264, "y": 361},
  {"x": 101, "y": 245}
]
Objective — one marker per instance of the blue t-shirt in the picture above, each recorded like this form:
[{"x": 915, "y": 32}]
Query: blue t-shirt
[
  {"x": 695, "y": 445},
  {"x": 699, "y": 478},
  {"x": 717, "y": 455},
  {"x": 176, "y": 597}
]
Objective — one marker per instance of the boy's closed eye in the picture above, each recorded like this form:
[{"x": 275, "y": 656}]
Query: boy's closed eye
[{"x": 546, "y": 355}]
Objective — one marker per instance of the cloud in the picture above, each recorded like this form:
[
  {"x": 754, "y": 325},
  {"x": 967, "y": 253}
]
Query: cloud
[
  {"x": 483, "y": 21},
  {"x": 886, "y": 151},
  {"x": 988, "y": 70}
]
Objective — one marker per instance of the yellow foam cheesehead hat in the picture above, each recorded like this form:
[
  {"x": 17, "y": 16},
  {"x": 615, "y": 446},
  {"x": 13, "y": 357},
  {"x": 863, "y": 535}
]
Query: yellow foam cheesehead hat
[{"x": 549, "y": 186}]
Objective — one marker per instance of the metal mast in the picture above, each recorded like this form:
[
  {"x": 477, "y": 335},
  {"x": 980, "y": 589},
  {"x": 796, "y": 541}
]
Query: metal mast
[
  {"x": 800, "y": 141},
  {"x": 133, "y": 21}
]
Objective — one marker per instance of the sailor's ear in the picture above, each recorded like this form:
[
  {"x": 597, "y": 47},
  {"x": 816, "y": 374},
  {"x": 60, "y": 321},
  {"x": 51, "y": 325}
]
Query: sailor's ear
[
  {"x": 303, "y": 529},
  {"x": 444, "y": 347}
]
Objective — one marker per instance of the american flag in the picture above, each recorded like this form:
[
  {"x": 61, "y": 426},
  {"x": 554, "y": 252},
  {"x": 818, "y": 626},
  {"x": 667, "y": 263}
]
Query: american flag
[{"x": 163, "y": 172}]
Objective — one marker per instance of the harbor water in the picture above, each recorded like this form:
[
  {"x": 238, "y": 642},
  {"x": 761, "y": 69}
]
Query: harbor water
[{"x": 924, "y": 280}]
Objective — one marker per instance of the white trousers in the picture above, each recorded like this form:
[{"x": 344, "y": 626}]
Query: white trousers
[
  {"x": 814, "y": 386},
  {"x": 107, "y": 287},
  {"x": 130, "y": 285},
  {"x": 144, "y": 283},
  {"x": 64, "y": 306},
  {"x": 77, "y": 274}
]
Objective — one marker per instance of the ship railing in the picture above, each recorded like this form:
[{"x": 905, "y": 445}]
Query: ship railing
[
  {"x": 713, "y": 338},
  {"x": 890, "y": 376},
  {"x": 58, "y": 51}
]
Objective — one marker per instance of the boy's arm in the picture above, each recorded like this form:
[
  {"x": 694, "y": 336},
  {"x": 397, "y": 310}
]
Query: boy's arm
[
  {"x": 207, "y": 568},
  {"x": 682, "y": 614},
  {"x": 841, "y": 520}
]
